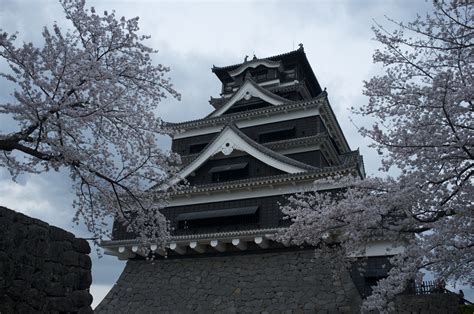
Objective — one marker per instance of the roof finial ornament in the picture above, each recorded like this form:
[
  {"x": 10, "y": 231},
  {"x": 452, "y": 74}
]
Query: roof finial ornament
[
  {"x": 254, "y": 57},
  {"x": 246, "y": 58},
  {"x": 300, "y": 45}
]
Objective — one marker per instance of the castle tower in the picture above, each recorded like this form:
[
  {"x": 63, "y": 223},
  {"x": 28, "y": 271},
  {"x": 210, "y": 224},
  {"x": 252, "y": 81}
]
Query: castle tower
[{"x": 272, "y": 134}]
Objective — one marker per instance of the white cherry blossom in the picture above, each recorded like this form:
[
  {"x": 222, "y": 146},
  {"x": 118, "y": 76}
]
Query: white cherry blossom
[
  {"x": 424, "y": 126},
  {"x": 85, "y": 101}
]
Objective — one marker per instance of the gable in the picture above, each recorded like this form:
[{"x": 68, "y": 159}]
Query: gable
[
  {"x": 248, "y": 90},
  {"x": 269, "y": 64},
  {"x": 245, "y": 105},
  {"x": 231, "y": 139}
]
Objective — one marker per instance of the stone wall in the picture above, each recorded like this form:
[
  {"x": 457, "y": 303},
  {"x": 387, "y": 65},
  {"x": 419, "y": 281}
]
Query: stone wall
[
  {"x": 42, "y": 268},
  {"x": 427, "y": 303},
  {"x": 251, "y": 283}
]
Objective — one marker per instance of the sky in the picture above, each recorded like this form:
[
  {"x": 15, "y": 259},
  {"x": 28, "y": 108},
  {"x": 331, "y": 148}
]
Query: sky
[{"x": 191, "y": 36}]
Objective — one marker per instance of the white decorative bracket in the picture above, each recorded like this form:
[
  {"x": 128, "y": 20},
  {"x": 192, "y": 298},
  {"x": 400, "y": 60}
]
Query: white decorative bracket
[
  {"x": 178, "y": 249},
  {"x": 197, "y": 247},
  {"x": 261, "y": 242},
  {"x": 239, "y": 244},
  {"x": 219, "y": 246}
]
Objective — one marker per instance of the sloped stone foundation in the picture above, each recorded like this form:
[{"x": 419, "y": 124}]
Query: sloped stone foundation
[{"x": 253, "y": 283}]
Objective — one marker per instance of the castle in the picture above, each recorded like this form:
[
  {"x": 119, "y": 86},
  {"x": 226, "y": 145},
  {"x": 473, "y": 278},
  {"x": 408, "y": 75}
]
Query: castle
[{"x": 272, "y": 133}]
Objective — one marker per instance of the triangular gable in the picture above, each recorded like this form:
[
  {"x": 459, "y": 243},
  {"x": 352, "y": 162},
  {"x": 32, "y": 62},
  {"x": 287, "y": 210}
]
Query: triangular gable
[
  {"x": 231, "y": 139},
  {"x": 247, "y": 90},
  {"x": 254, "y": 64}
]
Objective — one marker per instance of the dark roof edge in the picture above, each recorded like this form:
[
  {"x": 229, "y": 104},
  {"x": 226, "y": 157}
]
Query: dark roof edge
[
  {"x": 337, "y": 122},
  {"x": 233, "y": 116},
  {"x": 302, "y": 176},
  {"x": 235, "y": 66}
]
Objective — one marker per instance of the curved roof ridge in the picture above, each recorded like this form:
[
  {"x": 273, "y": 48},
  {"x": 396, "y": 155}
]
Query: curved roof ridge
[
  {"x": 233, "y": 116},
  {"x": 238, "y": 95},
  {"x": 305, "y": 139},
  {"x": 268, "y": 151},
  {"x": 230, "y": 67},
  {"x": 218, "y": 102},
  {"x": 253, "y": 64},
  {"x": 270, "y": 89}
]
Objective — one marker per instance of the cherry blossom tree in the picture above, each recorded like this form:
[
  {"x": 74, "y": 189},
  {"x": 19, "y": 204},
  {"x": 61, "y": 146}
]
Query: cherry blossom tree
[
  {"x": 85, "y": 101},
  {"x": 423, "y": 110}
]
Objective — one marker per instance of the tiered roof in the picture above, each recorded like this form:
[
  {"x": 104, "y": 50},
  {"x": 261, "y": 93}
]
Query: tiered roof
[
  {"x": 299, "y": 55},
  {"x": 222, "y": 135}
]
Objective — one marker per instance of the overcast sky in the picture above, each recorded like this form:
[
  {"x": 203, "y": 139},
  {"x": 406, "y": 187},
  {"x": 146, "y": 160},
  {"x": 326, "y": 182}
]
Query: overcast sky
[{"x": 191, "y": 36}]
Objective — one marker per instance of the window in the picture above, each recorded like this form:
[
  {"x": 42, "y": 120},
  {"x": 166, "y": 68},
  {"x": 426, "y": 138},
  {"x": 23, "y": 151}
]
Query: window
[
  {"x": 218, "y": 218},
  {"x": 196, "y": 148},
  {"x": 277, "y": 135},
  {"x": 260, "y": 76},
  {"x": 289, "y": 73},
  {"x": 229, "y": 172},
  {"x": 228, "y": 87},
  {"x": 246, "y": 106}
]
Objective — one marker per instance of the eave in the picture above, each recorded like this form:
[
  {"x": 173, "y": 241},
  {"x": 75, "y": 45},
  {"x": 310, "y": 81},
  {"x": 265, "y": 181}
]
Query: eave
[
  {"x": 254, "y": 183},
  {"x": 267, "y": 111},
  {"x": 320, "y": 102},
  {"x": 322, "y": 140},
  {"x": 198, "y": 243}
]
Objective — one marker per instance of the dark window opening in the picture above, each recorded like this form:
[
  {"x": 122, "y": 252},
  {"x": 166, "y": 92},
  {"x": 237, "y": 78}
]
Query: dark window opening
[
  {"x": 228, "y": 87},
  {"x": 229, "y": 172},
  {"x": 278, "y": 135},
  {"x": 218, "y": 218},
  {"x": 261, "y": 76},
  {"x": 295, "y": 96},
  {"x": 196, "y": 148},
  {"x": 290, "y": 73},
  {"x": 247, "y": 107}
]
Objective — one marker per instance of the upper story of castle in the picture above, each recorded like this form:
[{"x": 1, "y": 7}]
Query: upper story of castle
[{"x": 272, "y": 118}]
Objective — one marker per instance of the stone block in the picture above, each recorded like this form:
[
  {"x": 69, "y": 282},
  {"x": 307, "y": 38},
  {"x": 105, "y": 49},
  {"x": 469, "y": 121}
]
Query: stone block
[
  {"x": 81, "y": 246},
  {"x": 84, "y": 261},
  {"x": 84, "y": 280},
  {"x": 55, "y": 289},
  {"x": 71, "y": 258},
  {"x": 58, "y": 234},
  {"x": 56, "y": 250},
  {"x": 7, "y": 305},
  {"x": 81, "y": 298},
  {"x": 57, "y": 304}
]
